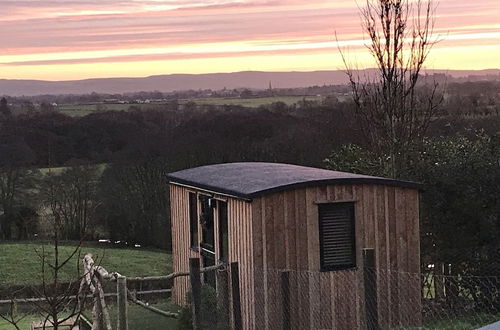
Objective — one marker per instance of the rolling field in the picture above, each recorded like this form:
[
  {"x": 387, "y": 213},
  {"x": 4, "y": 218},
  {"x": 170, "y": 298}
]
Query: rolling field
[
  {"x": 78, "y": 110},
  {"x": 21, "y": 265}
]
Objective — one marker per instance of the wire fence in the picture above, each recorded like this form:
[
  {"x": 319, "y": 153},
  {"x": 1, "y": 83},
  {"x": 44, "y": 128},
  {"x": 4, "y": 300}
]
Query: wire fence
[
  {"x": 220, "y": 297},
  {"x": 374, "y": 299}
]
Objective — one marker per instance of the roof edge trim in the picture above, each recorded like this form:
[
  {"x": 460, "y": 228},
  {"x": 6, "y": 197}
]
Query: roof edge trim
[
  {"x": 297, "y": 185},
  {"x": 208, "y": 190}
]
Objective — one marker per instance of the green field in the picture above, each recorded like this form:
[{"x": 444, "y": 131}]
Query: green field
[
  {"x": 78, "y": 110},
  {"x": 253, "y": 102},
  {"x": 24, "y": 324},
  {"x": 21, "y": 265},
  {"x": 143, "y": 319}
]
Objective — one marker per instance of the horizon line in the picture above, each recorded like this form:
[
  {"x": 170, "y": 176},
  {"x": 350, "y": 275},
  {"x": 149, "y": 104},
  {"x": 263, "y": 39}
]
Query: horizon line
[{"x": 236, "y": 72}]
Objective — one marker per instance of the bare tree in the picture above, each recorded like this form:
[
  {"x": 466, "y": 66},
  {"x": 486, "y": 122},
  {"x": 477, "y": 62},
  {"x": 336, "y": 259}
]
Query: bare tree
[
  {"x": 54, "y": 300},
  {"x": 57, "y": 304},
  {"x": 393, "y": 108},
  {"x": 70, "y": 197}
]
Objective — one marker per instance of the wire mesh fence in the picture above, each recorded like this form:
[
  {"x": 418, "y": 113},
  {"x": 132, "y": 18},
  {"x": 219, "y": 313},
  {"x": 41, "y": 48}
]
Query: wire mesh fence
[
  {"x": 373, "y": 299},
  {"x": 213, "y": 301},
  {"x": 362, "y": 298},
  {"x": 465, "y": 301}
]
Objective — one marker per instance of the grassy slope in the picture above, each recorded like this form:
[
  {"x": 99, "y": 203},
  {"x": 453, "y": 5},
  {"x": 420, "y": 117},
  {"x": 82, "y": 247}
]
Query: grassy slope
[{"x": 21, "y": 265}]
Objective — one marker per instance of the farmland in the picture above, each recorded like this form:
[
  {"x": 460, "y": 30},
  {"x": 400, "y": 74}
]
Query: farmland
[
  {"x": 78, "y": 110},
  {"x": 21, "y": 265},
  {"x": 254, "y": 102}
]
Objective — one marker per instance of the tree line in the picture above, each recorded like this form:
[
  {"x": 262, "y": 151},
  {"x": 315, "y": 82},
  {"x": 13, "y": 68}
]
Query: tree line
[{"x": 126, "y": 196}]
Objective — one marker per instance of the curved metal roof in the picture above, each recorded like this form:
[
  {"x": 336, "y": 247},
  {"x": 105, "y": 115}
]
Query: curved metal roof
[{"x": 250, "y": 180}]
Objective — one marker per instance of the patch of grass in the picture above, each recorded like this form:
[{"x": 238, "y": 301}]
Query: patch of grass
[
  {"x": 469, "y": 322},
  {"x": 24, "y": 324},
  {"x": 21, "y": 265},
  {"x": 26, "y": 321},
  {"x": 141, "y": 318},
  {"x": 138, "y": 318}
]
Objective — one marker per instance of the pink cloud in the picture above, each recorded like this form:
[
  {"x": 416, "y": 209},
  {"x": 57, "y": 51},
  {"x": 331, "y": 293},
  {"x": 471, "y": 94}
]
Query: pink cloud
[{"x": 57, "y": 26}]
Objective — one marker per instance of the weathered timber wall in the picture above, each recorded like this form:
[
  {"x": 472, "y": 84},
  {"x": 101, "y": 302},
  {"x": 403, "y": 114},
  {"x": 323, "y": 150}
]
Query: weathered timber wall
[
  {"x": 280, "y": 231},
  {"x": 286, "y": 236}
]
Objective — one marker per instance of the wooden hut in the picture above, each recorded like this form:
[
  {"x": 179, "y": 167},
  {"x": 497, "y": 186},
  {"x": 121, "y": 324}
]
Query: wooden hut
[{"x": 312, "y": 222}]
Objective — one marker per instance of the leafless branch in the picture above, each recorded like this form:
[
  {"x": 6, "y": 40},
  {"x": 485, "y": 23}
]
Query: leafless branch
[{"x": 394, "y": 110}]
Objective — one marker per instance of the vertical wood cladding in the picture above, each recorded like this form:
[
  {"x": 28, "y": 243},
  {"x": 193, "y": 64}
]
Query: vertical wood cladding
[
  {"x": 281, "y": 231},
  {"x": 240, "y": 245},
  {"x": 181, "y": 251},
  {"x": 286, "y": 236}
]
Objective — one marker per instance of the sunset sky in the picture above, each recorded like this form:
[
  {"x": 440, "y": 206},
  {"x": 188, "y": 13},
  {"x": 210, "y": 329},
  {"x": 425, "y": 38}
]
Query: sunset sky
[{"x": 76, "y": 39}]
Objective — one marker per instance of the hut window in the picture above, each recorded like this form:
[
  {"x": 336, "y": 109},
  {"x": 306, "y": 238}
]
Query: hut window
[
  {"x": 337, "y": 238},
  {"x": 223, "y": 232},
  {"x": 207, "y": 223},
  {"x": 193, "y": 220}
]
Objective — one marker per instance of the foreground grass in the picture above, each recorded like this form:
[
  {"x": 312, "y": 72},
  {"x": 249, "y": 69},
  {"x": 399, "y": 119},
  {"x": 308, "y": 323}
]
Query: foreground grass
[
  {"x": 469, "y": 322},
  {"x": 138, "y": 318},
  {"x": 21, "y": 265},
  {"x": 143, "y": 319},
  {"x": 24, "y": 324}
]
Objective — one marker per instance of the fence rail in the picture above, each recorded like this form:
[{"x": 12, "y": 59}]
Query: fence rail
[
  {"x": 363, "y": 298},
  {"x": 97, "y": 275},
  {"x": 74, "y": 297}
]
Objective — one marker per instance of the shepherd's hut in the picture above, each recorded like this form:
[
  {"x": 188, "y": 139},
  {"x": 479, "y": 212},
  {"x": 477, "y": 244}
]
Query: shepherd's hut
[{"x": 318, "y": 226}]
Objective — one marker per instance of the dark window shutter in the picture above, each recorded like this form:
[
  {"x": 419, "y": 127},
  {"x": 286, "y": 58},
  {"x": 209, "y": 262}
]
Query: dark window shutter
[{"x": 337, "y": 236}]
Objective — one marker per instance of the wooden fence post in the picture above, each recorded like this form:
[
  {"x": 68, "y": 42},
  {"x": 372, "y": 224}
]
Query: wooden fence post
[
  {"x": 285, "y": 299},
  {"x": 121, "y": 288},
  {"x": 370, "y": 285},
  {"x": 194, "y": 276},
  {"x": 235, "y": 294},
  {"x": 222, "y": 299}
]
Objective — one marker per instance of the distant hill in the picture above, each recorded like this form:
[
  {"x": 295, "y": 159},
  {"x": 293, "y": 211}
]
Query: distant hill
[{"x": 216, "y": 81}]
